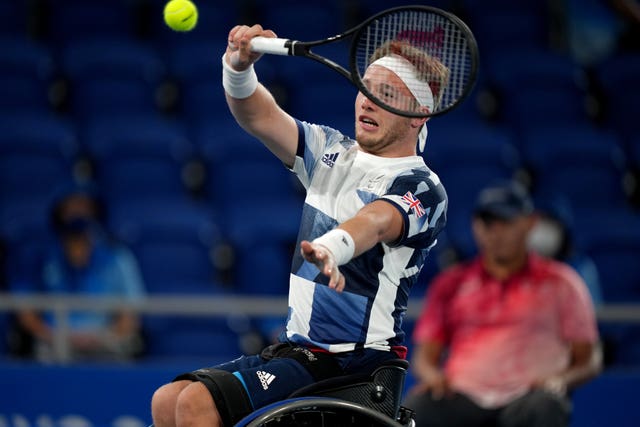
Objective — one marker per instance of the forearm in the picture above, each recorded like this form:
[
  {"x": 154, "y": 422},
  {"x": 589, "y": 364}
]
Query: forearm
[
  {"x": 376, "y": 222},
  {"x": 426, "y": 361},
  {"x": 579, "y": 373},
  {"x": 257, "y": 112},
  {"x": 586, "y": 363}
]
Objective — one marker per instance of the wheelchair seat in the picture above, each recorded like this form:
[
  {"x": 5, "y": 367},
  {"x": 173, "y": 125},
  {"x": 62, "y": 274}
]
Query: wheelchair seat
[{"x": 381, "y": 390}]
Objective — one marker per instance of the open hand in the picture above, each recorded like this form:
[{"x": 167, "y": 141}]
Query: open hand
[{"x": 325, "y": 261}]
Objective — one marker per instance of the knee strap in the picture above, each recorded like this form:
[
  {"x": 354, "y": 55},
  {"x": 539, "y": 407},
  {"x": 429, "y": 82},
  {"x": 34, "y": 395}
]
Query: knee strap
[{"x": 232, "y": 405}]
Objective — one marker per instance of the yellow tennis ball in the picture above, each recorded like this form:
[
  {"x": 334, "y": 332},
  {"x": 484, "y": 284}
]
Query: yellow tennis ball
[{"x": 181, "y": 15}]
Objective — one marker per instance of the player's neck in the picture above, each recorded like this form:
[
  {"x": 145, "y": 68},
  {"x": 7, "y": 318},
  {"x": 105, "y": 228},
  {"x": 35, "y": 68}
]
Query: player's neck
[{"x": 393, "y": 150}]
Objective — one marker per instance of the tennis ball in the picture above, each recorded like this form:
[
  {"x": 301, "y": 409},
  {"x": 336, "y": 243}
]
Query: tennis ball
[{"x": 180, "y": 15}]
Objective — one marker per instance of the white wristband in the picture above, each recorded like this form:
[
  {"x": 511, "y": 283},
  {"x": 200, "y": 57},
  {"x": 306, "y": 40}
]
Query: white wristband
[
  {"x": 238, "y": 84},
  {"x": 340, "y": 243}
]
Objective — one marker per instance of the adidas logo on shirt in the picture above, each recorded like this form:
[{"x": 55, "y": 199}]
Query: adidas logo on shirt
[
  {"x": 265, "y": 378},
  {"x": 330, "y": 159}
]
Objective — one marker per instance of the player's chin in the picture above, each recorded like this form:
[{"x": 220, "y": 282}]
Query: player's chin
[{"x": 366, "y": 138}]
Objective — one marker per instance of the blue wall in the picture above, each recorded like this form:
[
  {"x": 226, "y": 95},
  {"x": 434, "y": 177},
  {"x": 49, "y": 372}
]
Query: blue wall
[{"x": 119, "y": 395}]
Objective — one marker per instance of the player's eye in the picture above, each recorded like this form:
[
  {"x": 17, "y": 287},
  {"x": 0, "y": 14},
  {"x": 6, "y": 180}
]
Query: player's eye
[{"x": 387, "y": 92}]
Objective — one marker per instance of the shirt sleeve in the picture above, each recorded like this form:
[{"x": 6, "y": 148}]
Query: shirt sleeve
[
  {"x": 578, "y": 320},
  {"x": 313, "y": 141},
  {"x": 422, "y": 200}
]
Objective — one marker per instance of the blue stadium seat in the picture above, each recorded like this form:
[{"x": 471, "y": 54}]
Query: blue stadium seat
[
  {"x": 249, "y": 180},
  {"x": 18, "y": 10},
  {"x": 468, "y": 155},
  {"x": 174, "y": 241},
  {"x": 27, "y": 71},
  {"x": 195, "y": 67},
  {"x": 203, "y": 100},
  {"x": 586, "y": 165},
  {"x": 112, "y": 75},
  {"x": 138, "y": 156},
  {"x": 260, "y": 209},
  {"x": 259, "y": 202},
  {"x": 179, "y": 337},
  {"x": 72, "y": 20},
  {"x": 262, "y": 234},
  {"x": 538, "y": 86},
  {"x": 240, "y": 169},
  {"x": 499, "y": 24},
  {"x": 621, "y": 344},
  {"x": 611, "y": 237},
  {"x": 330, "y": 103},
  {"x": 37, "y": 151},
  {"x": 618, "y": 79},
  {"x": 24, "y": 220},
  {"x": 304, "y": 21}
]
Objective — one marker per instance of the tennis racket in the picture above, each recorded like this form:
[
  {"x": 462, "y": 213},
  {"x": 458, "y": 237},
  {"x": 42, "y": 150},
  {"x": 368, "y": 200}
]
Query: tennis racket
[{"x": 439, "y": 47}]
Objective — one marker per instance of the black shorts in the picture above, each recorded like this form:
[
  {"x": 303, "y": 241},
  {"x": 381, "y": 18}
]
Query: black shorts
[{"x": 251, "y": 382}]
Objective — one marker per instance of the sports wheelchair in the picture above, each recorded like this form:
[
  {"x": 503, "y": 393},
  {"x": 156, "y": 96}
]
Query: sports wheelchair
[{"x": 351, "y": 400}]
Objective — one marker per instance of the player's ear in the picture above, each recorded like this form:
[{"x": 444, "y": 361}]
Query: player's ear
[{"x": 417, "y": 122}]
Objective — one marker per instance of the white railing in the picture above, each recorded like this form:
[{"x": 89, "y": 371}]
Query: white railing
[{"x": 203, "y": 306}]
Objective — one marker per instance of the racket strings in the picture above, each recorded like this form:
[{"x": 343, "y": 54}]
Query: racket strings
[{"x": 447, "y": 66}]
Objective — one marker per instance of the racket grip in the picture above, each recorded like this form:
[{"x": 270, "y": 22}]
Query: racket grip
[{"x": 272, "y": 46}]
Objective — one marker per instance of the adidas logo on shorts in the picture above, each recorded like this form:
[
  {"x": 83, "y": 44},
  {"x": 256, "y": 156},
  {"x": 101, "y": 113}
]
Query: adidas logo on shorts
[{"x": 265, "y": 378}]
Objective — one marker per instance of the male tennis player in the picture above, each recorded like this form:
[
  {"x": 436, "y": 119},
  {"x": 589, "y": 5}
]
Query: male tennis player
[{"x": 372, "y": 212}]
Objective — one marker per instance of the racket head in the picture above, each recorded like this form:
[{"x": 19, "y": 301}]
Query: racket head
[{"x": 438, "y": 42}]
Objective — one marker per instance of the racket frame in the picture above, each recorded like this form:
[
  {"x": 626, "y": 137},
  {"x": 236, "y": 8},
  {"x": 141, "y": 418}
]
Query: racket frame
[{"x": 290, "y": 47}]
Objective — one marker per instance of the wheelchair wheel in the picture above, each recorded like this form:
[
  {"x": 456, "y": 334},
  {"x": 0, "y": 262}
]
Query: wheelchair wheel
[{"x": 316, "y": 412}]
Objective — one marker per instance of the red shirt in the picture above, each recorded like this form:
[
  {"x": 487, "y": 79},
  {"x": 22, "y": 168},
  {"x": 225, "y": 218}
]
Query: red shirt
[{"x": 503, "y": 335}]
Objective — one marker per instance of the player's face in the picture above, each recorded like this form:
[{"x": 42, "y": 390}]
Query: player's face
[{"x": 377, "y": 128}]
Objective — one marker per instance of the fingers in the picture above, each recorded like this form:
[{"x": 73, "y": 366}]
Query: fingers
[
  {"x": 338, "y": 282},
  {"x": 239, "y": 54},
  {"x": 326, "y": 263}
]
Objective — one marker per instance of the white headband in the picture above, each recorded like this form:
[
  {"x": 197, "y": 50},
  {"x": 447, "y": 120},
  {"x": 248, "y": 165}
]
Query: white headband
[{"x": 405, "y": 70}]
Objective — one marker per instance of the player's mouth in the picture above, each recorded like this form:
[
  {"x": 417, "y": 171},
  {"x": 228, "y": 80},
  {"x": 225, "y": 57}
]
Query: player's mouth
[{"x": 367, "y": 123}]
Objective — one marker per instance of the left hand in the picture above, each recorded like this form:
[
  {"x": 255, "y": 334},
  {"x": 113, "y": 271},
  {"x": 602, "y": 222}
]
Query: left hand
[{"x": 325, "y": 261}]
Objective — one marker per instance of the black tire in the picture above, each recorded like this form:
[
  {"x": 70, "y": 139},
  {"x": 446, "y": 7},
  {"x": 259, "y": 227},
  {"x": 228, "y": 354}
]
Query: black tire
[{"x": 320, "y": 412}]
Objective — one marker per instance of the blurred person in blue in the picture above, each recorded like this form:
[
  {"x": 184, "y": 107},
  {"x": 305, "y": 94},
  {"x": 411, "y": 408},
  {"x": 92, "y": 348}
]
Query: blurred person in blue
[{"x": 82, "y": 259}]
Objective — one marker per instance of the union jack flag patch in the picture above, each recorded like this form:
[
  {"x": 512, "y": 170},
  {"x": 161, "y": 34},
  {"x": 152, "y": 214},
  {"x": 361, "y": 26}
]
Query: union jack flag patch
[{"x": 414, "y": 204}]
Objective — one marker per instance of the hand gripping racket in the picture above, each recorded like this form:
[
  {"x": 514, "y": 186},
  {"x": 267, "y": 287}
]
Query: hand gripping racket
[{"x": 440, "y": 48}]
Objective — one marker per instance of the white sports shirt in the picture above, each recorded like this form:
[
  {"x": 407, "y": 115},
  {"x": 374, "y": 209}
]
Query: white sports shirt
[{"x": 340, "y": 179}]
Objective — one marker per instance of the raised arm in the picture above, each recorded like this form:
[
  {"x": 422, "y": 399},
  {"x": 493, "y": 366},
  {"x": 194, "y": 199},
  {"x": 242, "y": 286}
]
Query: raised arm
[{"x": 252, "y": 105}]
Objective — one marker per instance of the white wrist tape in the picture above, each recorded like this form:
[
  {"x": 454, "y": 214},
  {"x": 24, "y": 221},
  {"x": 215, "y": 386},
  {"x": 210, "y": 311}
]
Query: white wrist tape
[
  {"x": 340, "y": 243},
  {"x": 238, "y": 84}
]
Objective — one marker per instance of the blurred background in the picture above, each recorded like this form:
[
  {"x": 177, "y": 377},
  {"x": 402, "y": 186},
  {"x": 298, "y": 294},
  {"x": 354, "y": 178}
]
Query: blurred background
[{"x": 102, "y": 92}]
